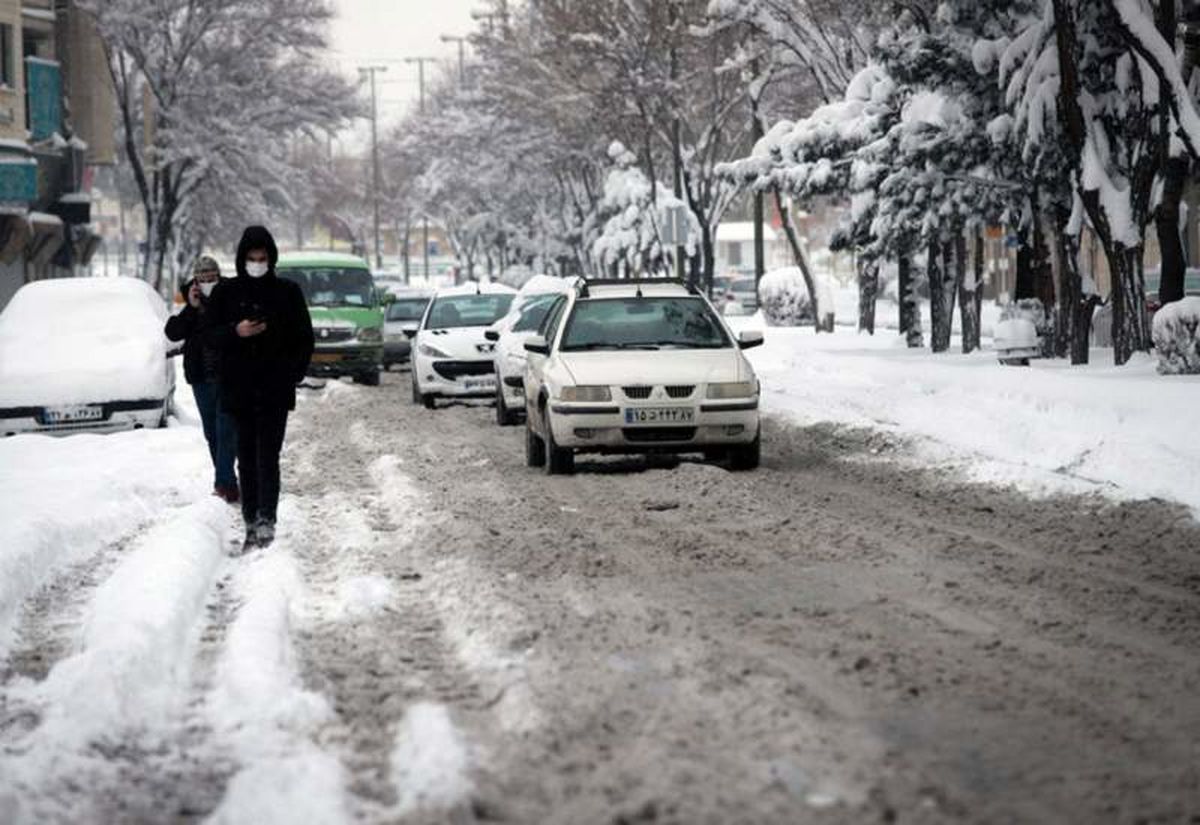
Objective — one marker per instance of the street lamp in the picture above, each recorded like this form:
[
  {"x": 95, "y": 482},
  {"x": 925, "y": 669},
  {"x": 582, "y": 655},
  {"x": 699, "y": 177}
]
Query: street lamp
[{"x": 371, "y": 71}]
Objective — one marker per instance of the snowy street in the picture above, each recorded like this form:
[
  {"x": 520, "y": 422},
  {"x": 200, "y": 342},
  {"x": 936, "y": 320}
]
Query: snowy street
[{"x": 443, "y": 635}]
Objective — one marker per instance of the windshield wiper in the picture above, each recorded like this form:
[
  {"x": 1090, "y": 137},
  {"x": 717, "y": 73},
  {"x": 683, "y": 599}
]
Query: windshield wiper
[
  {"x": 606, "y": 345},
  {"x": 687, "y": 345}
]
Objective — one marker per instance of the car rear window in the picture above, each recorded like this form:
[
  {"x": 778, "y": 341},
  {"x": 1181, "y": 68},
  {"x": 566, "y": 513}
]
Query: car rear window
[
  {"x": 408, "y": 309},
  {"x": 643, "y": 323}
]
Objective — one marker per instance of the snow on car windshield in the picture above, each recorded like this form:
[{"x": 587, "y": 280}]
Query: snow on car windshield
[
  {"x": 643, "y": 323},
  {"x": 333, "y": 287},
  {"x": 409, "y": 309},
  {"x": 452, "y": 311}
]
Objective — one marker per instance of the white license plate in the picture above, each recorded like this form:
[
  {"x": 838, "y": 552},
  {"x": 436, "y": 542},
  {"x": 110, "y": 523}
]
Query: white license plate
[
  {"x": 660, "y": 415},
  {"x": 480, "y": 383},
  {"x": 70, "y": 414}
]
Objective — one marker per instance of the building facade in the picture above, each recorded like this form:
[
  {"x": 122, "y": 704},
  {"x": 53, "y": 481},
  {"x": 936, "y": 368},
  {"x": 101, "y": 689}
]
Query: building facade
[{"x": 56, "y": 124}]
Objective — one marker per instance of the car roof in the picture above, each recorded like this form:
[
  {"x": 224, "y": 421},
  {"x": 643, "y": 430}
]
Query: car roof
[
  {"x": 669, "y": 289},
  {"x": 289, "y": 260},
  {"x": 409, "y": 293},
  {"x": 473, "y": 289}
]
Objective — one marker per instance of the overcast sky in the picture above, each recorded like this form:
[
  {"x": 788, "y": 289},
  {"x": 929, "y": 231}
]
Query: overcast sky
[{"x": 387, "y": 31}]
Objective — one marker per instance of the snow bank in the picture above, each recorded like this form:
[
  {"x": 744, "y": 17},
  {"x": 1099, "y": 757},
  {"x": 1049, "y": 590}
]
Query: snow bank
[
  {"x": 63, "y": 499},
  {"x": 77, "y": 340},
  {"x": 430, "y": 761},
  {"x": 1177, "y": 337},
  {"x": 1121, "y": 431},
  {"x": 138, "y": 633}
]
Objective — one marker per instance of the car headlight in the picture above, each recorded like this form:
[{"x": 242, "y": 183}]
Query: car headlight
[
  {"x": 370, "y": 335},
  {"x": 585, "y": 394},
  {"x": 736, "y": 389},
  {"x": 432, "y": 352}
]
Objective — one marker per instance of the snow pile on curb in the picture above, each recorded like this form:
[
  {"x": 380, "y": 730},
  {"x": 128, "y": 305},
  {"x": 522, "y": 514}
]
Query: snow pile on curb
[
  {"x": 1177, "y": 337},
  {"x": 1051, "y": 428},
  {"x": 64, "y": 499},
  {"x": 430, "y": 761},
  {"x": 139, "y": 632},
  {"x": 259, "y": 704}
]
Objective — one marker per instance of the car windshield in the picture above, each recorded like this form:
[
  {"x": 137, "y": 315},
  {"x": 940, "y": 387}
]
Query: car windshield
[
  {"x": 407, "y": 309},
  {"x": 453, "y": 311},
  {"x": 534, "y": 312},
  {"x": 643, "y": 323},
  {"x": 743, "y": 285},
  {"x": 333, "y": 287}
]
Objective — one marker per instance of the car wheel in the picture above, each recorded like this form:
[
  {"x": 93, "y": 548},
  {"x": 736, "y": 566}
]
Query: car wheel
[
  {"x": 747, "y": 457},
  {"x": 505, "y": 416},
  {"x": 429, "y": 400},
  {"x": 370, "y": 379},
  {"x": 560, "y": 461},
  {"x": 535, "y": 448}
]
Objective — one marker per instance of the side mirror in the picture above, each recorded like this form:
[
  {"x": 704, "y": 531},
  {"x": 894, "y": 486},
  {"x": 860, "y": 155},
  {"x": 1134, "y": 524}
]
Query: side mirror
[
  {"x": 491, "y": 335},
  {"x": 538, "y": 346},
  {"x": 750, "y": 339}
]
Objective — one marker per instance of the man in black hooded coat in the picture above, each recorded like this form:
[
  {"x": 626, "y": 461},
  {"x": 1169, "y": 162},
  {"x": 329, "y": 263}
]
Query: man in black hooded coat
[{"x": 262, "y": 327}]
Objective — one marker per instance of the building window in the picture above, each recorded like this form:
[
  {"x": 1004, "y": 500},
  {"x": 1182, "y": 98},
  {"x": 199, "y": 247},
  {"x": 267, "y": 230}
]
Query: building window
[{"x": 6, "y": 55}]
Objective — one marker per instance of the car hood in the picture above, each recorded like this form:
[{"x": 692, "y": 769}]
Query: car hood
[
  {"x": 629, "y": 367},
  {"x": 346, "y": 317},
  {"x": 82, "y": 368},
  {"x": 463, "y": 343}
]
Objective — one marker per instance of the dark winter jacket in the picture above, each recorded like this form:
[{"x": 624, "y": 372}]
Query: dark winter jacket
[
  {"x": 201, "y": 356},
  {"x": 261, "y": 372}
]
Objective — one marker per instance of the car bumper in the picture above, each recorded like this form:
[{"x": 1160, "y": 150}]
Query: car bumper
[
  {"x": 334, "y": 361},
  {"x": 450, "y": 378},
  {"x": 603, "y": 427},
  {"x": 397, "y": 351},
  {"x": 116, "y": 417}
]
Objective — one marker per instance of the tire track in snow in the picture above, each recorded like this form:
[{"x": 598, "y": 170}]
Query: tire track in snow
[{"x": 373, "y": 644}]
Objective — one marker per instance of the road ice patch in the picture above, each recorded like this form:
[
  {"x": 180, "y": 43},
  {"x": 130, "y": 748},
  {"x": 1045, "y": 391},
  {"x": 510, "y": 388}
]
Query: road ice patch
[{"x": 430, "y": 761}]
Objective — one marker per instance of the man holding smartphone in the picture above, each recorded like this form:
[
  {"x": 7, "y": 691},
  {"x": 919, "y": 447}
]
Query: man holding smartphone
[{"x": 266, "y": 340}]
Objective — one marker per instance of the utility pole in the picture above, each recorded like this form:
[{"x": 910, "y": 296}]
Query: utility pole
[
  {"x": 372, "y": 71},
  {"x": 675, "y": 138},
  {"x": 462, "y": 56},
  {"x": 421, "y": 61},
  {"x": 757, "y": 131}
]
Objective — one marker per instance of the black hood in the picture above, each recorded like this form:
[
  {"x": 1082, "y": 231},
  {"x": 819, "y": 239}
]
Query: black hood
[{"x": 256, "y": 237}]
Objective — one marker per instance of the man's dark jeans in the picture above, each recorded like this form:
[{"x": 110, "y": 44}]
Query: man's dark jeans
[
  {"x": 260, "y": 439},
  {"x": 220, "y": 432}
]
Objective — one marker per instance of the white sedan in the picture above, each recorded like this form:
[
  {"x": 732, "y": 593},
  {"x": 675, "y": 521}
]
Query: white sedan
[
  {"x": 84, "y": 354},
  {"x": 529, "y": 310},
  {"x": 451, "y": 357},
  {"x": 639, "y": 366}
]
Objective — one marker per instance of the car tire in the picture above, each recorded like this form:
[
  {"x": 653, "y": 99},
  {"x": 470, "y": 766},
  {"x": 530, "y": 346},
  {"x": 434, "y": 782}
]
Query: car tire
[
  {"x": 429, "y": 400},
  {"x": 747, "y": 457},
  {"x": 369, "y": 379},
  {"x": 535, "y": 448},
  {"x": 505, "y": 416},
  {"x": 560, "y": 461}
]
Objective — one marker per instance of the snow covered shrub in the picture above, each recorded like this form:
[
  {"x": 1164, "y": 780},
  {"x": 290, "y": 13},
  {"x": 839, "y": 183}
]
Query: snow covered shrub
[
  {"x": 783, "y": 297},
  {"x": 1177, "y": 337}
]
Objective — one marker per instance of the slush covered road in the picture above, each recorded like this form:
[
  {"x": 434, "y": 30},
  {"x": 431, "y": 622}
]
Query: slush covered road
[{"x": 442, "y": 634}]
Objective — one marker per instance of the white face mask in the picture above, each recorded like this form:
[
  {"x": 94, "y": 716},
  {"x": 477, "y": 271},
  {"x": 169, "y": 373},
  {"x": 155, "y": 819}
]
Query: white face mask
[
  {"x": 257, "y": 269},
  {"x": 206, "y": 289}
]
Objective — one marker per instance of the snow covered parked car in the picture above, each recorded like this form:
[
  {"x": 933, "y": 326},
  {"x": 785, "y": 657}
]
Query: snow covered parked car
[
  {"x": 639, "y": 366},
  {"x": 84, "y": 354},
  {"x": 510, "y": 333},
  {"x": 451, "y": 357}
]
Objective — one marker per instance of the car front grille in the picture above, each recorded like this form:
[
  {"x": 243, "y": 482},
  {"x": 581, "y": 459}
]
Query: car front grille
[
  {"x": 451, "y": 370},
  {"x": 332, "y": 335},
  {"x": 650, "y": 435},
  {"x": 638, "y": 393},
  {"x": 681, "y": 391}
]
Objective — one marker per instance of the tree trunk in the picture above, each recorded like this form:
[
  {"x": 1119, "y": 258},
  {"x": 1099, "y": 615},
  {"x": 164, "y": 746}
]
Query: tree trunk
[
  {"x": 868, "y": 290},
  {"x": 968, "y": 288},
  {"x": 1128, "y": 302},
  {"x": 1170, "y": 240},
  {"x": 910, "y": 307},
  {"x": 789, "y": 230},
  {"x": 939, "y": 312}
]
